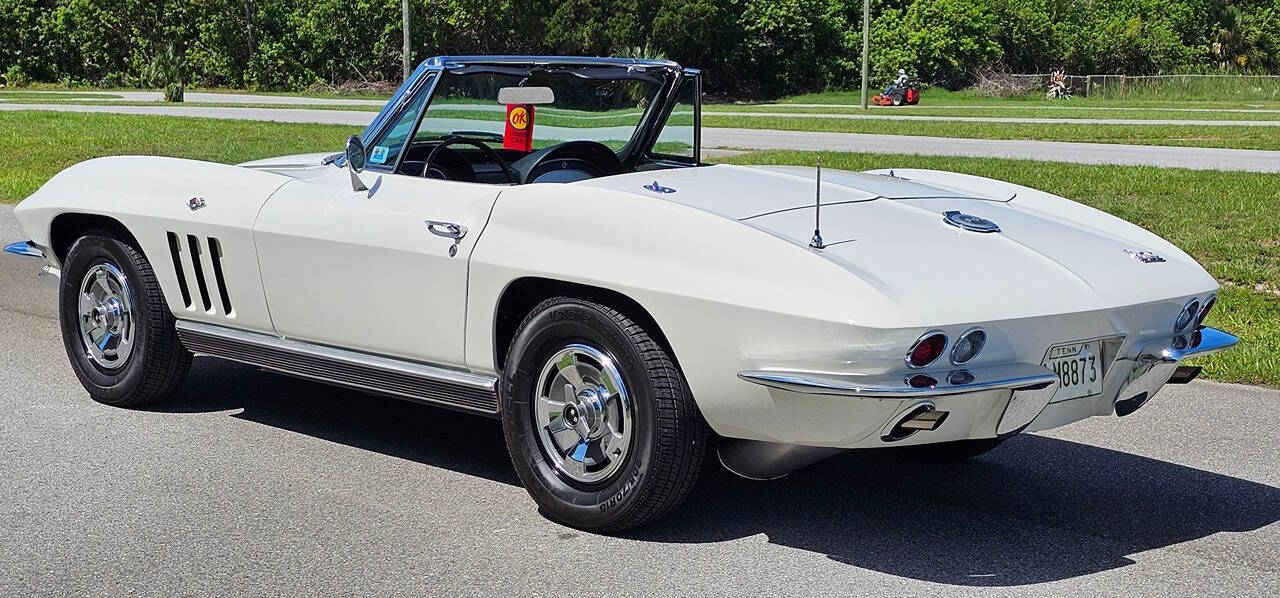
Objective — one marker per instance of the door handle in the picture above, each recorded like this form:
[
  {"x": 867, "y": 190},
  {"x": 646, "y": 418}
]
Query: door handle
[{"x": 448, "y": 230}]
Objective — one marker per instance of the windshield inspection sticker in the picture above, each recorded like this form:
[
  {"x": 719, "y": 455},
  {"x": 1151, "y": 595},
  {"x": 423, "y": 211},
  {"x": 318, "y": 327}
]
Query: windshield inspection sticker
[{"x": 379, "y": 155}]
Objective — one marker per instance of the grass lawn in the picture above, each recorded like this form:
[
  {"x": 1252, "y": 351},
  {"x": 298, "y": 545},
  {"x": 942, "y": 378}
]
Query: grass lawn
[
  {"x": 40, "y": 99},
  {"x": 942, "y": 97},
  {"x": 1236, "y": 137},
  {"x": 1218, "y": 136},
  {"x": 1224, "y": 219},
  {"x": 1076, "y": 111},
  {"x": 36, "y": 145}
]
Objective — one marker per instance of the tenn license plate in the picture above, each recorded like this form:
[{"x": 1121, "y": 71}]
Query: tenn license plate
[{"x": 1079, "y": 369}]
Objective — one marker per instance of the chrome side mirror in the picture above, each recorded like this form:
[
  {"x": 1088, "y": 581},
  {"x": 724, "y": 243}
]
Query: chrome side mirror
[{"x": 355, "y": 162}]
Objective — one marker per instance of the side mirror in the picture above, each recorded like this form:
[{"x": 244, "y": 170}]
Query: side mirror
[{"x": 355, "y": 162}]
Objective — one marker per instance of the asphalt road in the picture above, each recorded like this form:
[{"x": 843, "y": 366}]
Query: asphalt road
[
  {"x": 250, "y": 483},
  {"x": 214, "y": 97},
  {"x": 758, "y": 139}
]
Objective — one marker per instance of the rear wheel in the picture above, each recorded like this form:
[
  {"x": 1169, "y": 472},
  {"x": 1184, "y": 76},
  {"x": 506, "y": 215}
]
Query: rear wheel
[
  {"x": 958, "y": 450},
  {"x": 116, "y": 327},
  {"x": 898, "y": 97},
  {"x": 601, "y": 427}
]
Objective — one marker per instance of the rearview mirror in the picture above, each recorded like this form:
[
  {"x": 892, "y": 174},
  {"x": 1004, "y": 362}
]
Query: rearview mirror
[
  {"x": 526, "y": 95},
  {"x": 355, "y": 162}
]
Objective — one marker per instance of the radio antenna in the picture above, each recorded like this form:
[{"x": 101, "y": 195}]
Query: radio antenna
[{"x": 816, "y": 243}]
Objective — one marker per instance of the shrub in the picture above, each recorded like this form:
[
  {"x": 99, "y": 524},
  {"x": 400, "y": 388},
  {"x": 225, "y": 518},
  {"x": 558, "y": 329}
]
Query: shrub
[{"x": 15, "y": 77}]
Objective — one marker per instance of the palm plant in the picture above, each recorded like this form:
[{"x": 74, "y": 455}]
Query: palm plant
[{"x": 166, "y": 71}]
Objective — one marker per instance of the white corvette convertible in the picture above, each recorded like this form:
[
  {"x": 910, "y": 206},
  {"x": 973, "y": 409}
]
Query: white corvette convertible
[{"x": 535, "y": 239}]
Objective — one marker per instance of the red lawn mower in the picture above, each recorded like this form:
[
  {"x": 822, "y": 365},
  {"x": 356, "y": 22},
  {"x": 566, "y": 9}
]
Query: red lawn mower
[{"x": 901, "y": 92}]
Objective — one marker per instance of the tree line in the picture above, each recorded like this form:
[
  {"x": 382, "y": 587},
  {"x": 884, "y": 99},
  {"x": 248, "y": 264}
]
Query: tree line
[{"x": 746, "y": 47}]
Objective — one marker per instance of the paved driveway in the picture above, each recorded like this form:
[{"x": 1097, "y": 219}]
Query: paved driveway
[
  {"x": 252, "y": 483},
  {"x": 756, "y": 139}
]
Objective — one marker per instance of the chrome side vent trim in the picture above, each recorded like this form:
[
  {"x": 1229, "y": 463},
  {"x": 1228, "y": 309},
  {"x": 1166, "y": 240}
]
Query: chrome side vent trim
[
  {"x": 371, "y": 373},
  {"x": 194, "y": 243},
  {"x": 215, "y": 252},
  {"x": 175, "y": 250}
]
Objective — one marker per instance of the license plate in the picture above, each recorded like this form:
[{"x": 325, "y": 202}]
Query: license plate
[{"x": 1079, "y": 369}]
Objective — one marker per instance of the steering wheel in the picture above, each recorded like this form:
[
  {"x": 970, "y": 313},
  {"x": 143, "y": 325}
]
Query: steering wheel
[
  {"x": 488, "y": 151},
  {"x": 592, "y": 158}
]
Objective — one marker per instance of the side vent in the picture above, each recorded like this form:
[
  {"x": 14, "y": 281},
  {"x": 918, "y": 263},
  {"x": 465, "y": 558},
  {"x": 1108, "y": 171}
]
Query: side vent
[
  {"x": 215, "y": 252},
  {"x": 194, "y": 243},
  {"x": 175, "y": 249}
]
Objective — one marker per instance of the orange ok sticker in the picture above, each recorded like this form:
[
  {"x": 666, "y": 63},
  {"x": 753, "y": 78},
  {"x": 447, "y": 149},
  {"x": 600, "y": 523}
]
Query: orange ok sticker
[
  {"x": 519, "y": 118},
  {"x": 519, "y": 130}
]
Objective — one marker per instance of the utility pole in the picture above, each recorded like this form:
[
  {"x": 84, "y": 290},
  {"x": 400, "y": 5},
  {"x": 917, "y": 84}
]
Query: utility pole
[
  {"x": 408, "y": 60},
  {"x": 866, "y": 46}
]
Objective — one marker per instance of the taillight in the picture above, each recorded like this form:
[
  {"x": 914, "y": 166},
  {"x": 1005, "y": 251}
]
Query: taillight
[
  {"x": 1204, "y": 311},
  {"x": 968, "y": 346},
  {"x": 922, "y": 381},
  {"x": 927, "y": 349}
]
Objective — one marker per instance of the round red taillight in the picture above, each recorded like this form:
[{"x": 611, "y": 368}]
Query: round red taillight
[
  {"x": 1204, "y": 311},
  {"x": 922, "y": 381},
  {"x": 927, "y": 349}
]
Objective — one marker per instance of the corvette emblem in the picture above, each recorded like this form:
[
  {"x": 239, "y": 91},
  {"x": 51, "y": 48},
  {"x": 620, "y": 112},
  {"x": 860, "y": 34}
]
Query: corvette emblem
[
  {"x": 1146, "y": 257},
  {"x": 656, "y": 188},
  {"x": 195, "y": 203},
  {"x": 970, "y": 222}
]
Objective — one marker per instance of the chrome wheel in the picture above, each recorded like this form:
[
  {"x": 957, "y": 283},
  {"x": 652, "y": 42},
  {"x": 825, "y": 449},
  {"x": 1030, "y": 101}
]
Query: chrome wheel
[
  {"x": 583, "y": 414},
  {"x": 106, "y": 316}
]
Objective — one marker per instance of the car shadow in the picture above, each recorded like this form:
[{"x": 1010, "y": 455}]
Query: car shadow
[
  {"x": 1035, "y": 510},
  {"x": 438, "y": 437}
]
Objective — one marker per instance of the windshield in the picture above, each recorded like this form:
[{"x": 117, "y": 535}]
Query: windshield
[{"x": 606, "y": 110}]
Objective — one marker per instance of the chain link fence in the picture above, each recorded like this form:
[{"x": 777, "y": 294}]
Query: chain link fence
[{"x": 1138, "y": 87}]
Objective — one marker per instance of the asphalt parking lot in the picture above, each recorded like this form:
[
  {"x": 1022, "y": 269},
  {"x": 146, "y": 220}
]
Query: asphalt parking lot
[{"x": 250, "y": 483}]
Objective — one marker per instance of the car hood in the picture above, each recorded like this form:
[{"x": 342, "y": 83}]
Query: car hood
[
  {"x": 298, "y": 166},
  {"x": 892, "y": 232}
]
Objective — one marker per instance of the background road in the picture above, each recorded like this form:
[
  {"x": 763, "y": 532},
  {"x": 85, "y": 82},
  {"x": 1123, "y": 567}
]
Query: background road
[
  {"x": 252, "y": 483},
  {"x": 763, "y": 139}
]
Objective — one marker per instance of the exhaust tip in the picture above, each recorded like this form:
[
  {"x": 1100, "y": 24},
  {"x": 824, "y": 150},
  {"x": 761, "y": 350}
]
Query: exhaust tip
[
  {"x": 1185, "y": 374},
  {"x": 925, "y": 417},
  {"x": 1131, "y": 404}
]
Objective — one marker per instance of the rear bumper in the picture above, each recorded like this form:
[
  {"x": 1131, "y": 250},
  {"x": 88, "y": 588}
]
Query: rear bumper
[
  {"x": 24, "y": 249},
  {"x": 49, "y": 275},
  {"x": 983, "y": 403},
  {"x": 1152, "y": 368}
]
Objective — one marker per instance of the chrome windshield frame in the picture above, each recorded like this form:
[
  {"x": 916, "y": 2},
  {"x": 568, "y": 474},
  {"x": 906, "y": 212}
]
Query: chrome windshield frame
[{"x": 426, "y": 78}]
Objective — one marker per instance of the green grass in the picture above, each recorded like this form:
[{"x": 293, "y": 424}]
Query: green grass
[
  {"x": 942, "y": 97},
  {"x": 80, "y": 102},
  {"x": 1237, "y": 137},
  {"x": 1015, "y": 111},
  {"x": 360, "y": 95},
  {"x": 1226, "y": 220},
  {"x": 36, "y": 145},
  {"x": 7, "y": 95}
]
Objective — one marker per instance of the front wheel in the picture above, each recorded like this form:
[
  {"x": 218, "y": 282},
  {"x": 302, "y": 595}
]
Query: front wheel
[
  {"x": 116, "y": 327},
  {"x": 601, "y": 427}
]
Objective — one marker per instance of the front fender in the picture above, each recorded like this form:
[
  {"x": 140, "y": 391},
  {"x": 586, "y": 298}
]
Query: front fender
[{"x": 152, "y": 198}]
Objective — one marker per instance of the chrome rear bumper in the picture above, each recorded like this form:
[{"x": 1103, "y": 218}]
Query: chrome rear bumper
[
  {"x": 49, "y": 275},
  {"x": 916, "y": 385},
  {"x": 24, "y": 249},
  {"x": 1032, "y": 387},
  {"x": 1155, "y": 364}
]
